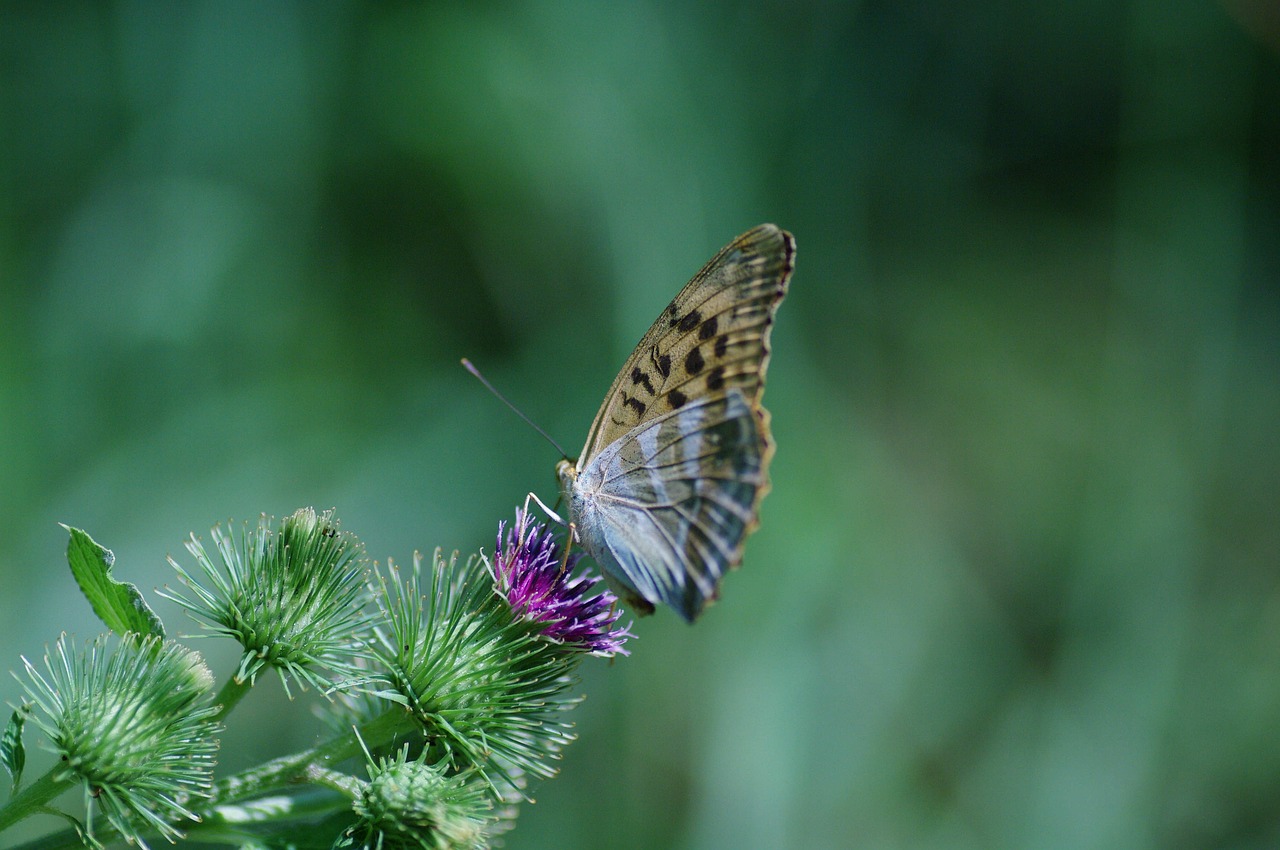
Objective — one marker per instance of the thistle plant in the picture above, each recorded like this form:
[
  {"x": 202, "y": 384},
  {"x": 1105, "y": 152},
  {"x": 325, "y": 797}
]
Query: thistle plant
[{"x": 446, "y": 687}]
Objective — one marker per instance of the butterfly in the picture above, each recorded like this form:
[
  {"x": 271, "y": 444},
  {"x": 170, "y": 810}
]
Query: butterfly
[{"x": 669, "y": 482}]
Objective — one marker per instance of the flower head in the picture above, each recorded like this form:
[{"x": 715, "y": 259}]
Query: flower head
[
  {"x": 411, "y": 804},
  {"x": 483, "y": 686},
  {"x": 132, "y": 723},
  {"x": 530, "y": 572},
  {"x": 292, "y": 597}
]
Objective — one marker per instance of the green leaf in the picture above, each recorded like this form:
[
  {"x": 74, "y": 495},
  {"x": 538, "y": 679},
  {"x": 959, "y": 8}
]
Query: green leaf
[
  {"x": 117, "y": 603},
  {"x": 12, "y": 754}
]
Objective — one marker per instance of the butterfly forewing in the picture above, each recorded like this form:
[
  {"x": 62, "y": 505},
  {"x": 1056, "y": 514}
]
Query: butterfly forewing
[{"x": 713, "y": 336}]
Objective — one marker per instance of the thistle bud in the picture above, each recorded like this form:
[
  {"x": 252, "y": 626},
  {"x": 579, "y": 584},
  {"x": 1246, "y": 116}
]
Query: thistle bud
[{"x": 132, "y": 724}]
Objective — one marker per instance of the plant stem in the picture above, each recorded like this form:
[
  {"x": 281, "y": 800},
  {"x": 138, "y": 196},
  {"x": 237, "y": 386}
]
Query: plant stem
[
  {"x": 221, "y": 815},
  {"x": 291, "y": 769},
  {"x": 232, "y": 692},
  {"x": 34, "y": 797}
]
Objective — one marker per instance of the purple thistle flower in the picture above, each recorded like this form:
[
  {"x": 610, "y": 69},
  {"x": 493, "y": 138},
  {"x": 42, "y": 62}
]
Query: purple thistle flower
[{"x": 530, "y": 574}]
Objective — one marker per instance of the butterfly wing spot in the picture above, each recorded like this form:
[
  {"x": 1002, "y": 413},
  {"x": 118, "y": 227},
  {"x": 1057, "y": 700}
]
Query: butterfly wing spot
[
  {"x": 693, "y": 362},
  {"x": 721, "y": 346},
  {"x": 641, "y": 378},
  {"x": 676, "y": 399},
  {"x": 635, "y": 404},
  {"x": 715, "y": 378},
  {"x": 708, "y": 329},
  {"x": 663, "y": 362},
  {"x": 688, "y": 322}
]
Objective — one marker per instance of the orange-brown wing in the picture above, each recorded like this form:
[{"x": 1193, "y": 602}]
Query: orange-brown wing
[{"x": 713, "y": 337}]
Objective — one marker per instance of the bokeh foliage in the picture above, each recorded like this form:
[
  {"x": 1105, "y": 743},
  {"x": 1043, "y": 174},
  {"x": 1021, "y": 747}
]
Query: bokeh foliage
[{"x": 1018, "y": 582}]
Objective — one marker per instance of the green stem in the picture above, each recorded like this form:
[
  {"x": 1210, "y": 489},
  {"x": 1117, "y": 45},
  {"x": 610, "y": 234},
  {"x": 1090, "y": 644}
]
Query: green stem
[
  {"x": 238, "y": 824},
  {"x": 291, "y": 769},
  {"x": 219, "y": 812},
  {"x": 35, "y": 796},
  {"x": 336, "y": 780},
  {"x": 232, "y": 692}
]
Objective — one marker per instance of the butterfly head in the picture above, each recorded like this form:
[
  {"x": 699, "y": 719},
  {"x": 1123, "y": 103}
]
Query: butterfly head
[{"x": 566, "y": 474}]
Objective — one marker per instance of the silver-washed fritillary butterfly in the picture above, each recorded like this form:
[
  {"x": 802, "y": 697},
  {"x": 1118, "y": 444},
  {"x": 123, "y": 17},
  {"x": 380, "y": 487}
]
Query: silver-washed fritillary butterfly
[{"x": 669, "y": 483}]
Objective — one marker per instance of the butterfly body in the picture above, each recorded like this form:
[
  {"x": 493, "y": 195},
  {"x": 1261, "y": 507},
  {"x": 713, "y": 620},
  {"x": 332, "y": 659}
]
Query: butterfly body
[{"x": 669, "y": 483}]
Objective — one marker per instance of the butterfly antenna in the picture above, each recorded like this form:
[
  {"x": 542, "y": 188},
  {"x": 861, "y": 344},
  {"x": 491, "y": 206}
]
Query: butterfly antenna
[{"x": 470, "y": 367}]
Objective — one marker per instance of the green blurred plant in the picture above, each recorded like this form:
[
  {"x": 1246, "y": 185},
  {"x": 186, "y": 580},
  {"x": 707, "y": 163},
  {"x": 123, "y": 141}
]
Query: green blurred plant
[{"x": 452, "y": 681}]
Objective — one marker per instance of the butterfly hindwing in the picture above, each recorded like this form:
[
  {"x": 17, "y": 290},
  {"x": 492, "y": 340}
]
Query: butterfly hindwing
[{"x": 666, "y": 507}]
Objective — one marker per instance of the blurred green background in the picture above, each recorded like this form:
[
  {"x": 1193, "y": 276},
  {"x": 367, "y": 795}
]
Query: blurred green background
[{"x": 1017, "y": 584}]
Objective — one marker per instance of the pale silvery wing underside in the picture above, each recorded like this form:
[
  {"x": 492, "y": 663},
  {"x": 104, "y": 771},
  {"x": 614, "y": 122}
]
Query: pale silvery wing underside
[{"x": 665, "y": 509}]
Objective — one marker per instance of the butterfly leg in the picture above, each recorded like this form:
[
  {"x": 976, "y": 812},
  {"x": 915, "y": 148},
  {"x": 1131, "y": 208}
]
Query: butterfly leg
[
  {"x": 568, "y": 547},
  {"x": 573, "y": 531},
  {"x": 546, "y": 510}
]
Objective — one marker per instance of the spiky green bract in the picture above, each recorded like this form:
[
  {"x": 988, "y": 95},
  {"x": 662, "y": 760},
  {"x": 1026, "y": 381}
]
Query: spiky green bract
[
  {"x": 350, "y": 702},
  {"x": 131, "y": 720},
  {"x": 294, "y": 599},
  {"x": 488, "y": 690},
  {"x": 408, "y": 804}
]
